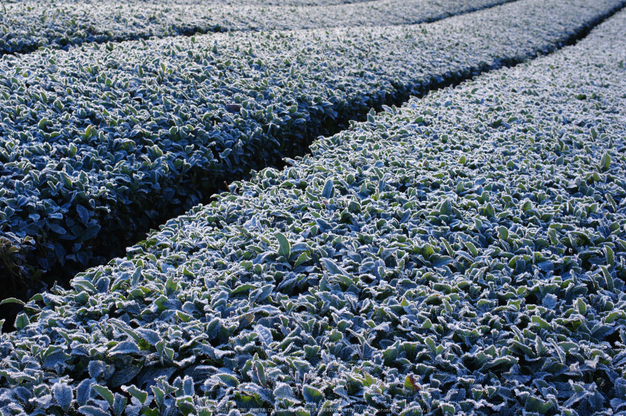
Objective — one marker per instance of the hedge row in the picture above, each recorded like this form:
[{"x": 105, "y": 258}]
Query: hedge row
[
  {"x": 462, "y": 254},
  {"x": 29, "y": 25},
  {"x": 101, "y": 142}
]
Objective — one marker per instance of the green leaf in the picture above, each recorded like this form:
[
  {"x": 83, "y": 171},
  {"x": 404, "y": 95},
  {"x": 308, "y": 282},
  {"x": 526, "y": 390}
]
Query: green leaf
[
  {"x": 332, "y": 267},
  {"x": 431, "y": 344},
  {"x": 543, "y": 324},
  {"x": 302, "y": 258},
  {"x": 312, "y": 395},
  {"x": 610, "y": 256},
  {"x": 21, "y": 321},
  {"x": 337, "y": 271},
  {"x": 214, "y": 327},
  {"x": 186, "y": 406},
  {"x": 612, "y": 316},
  {"x": 566, "y": 346},
  {"x": 472, "y": 248},
  {"x": 119, "y": 404},
  {"x": 311, "y": 351},
  {"x": 284, "y": 246},
  {"x": 410, "y": 383},
  {"x": 610, "y": 284},
  {"x": 354, "y": 207},
  {"x": 58, "y": 104},
  {"x": 228, "y": 379},
  {"x": 89, "y": 132},
  {"x": 503, "y": 233},
  {"x": 284, "y": 391},
  {"x": 140, "y": 395},
  {"x": 445, "y": 208},
  {"x": 605, "y": 162},
  {"x": 104, "y": 392},
  {"x": 327, "y": 192},
  {"x": 159, "y": 395},
  {"x": 261, "y": 293},
  {"x": 171, "y": 286},
  {"x": 535, "y": 404},
  {"x": 42, "y": 123},
  {"x": 152, "y": 337},
  {"x": 82, "y": 284},
  {"x": 124, "y": 347},
  {"x": 552, "y": 236},
  {"x": 242, "y": 288},
  {"x": 260, "y": 373},
  {"x": 448, "y": 247},
  {"x": 12, "y": 300},
  {"x": 37, "y": 297}
]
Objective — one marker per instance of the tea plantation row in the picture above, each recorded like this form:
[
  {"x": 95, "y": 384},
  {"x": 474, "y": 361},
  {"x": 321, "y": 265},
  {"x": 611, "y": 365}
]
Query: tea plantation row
[
  {"x": 29, "y": 25},
  {"x": 462, "y": 254},
  {"x": 102, "y": 142}
]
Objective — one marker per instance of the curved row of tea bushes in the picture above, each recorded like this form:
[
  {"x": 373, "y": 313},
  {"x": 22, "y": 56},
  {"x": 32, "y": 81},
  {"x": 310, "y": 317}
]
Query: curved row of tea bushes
[
  {"x": 298, "y": 3},
  {"x": 465, "y": 253},
  {"x": 102, "y": 142},
  {"x": 29, "y": 25}
]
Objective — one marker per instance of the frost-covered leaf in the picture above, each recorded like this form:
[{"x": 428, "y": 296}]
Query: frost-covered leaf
[
  {"x": 264, "y": 334},
  {"x": 63, "y": 395},
  {"x": 140, "y": 395},
  {"x": 283, "y": 244},
  {"x": 152, "y": 337},
  {"x": 228, "y": 379},
  {"x": 104, "y": 392},
  {"x": 124, "y": 347},
  {"x": 89, "y": 410},
  {"x": 83, "y": 391},
  {"x": 284, "y": 391},
  {"x": 312, "y": 395}
]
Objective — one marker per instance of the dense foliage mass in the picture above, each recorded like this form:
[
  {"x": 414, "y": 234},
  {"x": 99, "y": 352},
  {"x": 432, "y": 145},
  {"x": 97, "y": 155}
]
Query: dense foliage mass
[
  {"x": 462, "y": 254},
  {"x": 103, "y": 141},
  {"x": 32, "y": 24}
]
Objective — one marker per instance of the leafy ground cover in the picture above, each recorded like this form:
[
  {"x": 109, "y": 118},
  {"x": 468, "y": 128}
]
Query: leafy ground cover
[
  {"x": 29, "y": 25},
  {"x": 101, "y": 142},
  {"x": 266, "y": 2},
  {"x": 462, "y": 254}
]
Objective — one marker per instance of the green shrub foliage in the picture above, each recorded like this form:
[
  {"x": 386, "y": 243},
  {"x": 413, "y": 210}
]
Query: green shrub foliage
[
  {"x": 103, "y": 141},
  {"x": 462, "y": 254},
  {"x": 28, "y": 25}
]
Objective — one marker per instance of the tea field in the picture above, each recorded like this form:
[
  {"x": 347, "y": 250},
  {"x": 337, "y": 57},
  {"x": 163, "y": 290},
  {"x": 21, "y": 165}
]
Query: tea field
[
  {"x": 461, "y": 250},
  {"x": 103, "y": 142}
]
